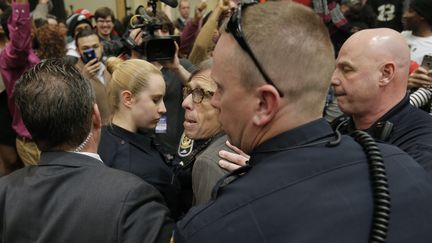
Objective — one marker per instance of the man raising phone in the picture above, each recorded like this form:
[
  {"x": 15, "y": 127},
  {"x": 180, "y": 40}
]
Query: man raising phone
[{"x": 90, "y": 48}]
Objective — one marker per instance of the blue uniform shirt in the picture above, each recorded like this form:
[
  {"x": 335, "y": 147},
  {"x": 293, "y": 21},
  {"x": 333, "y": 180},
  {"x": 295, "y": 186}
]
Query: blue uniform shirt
[{"x": 300, "y": 190}]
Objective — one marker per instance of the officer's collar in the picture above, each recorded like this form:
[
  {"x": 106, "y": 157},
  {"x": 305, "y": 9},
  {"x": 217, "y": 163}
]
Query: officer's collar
[
  {"x": 394, "y": 111},
  {"x": 305, "y": 134},
  {"x": 386, "y": 117}
]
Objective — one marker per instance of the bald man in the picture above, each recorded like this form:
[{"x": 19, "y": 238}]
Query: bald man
[{"x": 370, "y": 82}]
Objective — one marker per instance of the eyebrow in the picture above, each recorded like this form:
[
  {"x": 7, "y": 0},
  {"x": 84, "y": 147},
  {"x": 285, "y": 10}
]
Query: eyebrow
[
  {"x": 157, "y": 96},
  {"x": 344, "y": 63}
]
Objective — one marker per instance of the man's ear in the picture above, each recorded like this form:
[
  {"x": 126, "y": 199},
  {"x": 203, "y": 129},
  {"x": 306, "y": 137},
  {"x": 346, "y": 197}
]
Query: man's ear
[
  {"x": 96, "y": 118},
  {"x": 387, "y": 73},
  {"x": 268, "y": 104},
  {"x": 126, "y": 98}
]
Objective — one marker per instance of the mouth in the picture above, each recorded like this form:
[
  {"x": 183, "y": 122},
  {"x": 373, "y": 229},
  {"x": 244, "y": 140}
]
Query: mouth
[
  {"x": 188, "y": 123},
  {"x": 338, "y": 94}
]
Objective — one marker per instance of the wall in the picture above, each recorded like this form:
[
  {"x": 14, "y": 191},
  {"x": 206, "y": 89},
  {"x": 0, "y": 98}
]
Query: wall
[{"x": 91, "y": 5}]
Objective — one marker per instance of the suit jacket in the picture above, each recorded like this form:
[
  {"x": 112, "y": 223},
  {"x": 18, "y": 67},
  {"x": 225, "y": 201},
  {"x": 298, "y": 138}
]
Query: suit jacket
[
  {"x": 100, "y": 92},
  {"x": 72, "y": 197},
  {"x": 206, "y": 170}
]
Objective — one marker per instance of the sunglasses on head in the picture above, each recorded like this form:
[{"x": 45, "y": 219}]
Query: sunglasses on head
[{"x": 234, "y": 27}]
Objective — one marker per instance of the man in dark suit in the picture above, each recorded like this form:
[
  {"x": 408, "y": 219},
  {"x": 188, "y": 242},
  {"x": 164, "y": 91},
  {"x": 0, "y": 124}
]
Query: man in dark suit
[
  {"x": 71, "y": 196},
  {"x": 184, "y": 8}
]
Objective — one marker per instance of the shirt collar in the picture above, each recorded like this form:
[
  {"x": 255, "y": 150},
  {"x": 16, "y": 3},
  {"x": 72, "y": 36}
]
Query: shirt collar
[
  {"x": 395, "y": 110},
  {"x": 100, "y": 74},
  {"x": 309, "y": 133},
  {"x": 93, "y": 155}
]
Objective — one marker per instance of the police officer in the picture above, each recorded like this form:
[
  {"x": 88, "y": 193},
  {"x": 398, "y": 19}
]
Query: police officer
[
  {"x": 301, "y": 184},
  {"x": 370, "y": 83}
]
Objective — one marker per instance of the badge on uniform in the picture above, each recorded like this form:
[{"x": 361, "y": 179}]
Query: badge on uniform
[{"x": 186, "y": 146}]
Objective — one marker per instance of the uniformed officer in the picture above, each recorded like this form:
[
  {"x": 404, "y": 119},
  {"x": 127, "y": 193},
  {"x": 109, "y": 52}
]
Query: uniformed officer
[
  {"x": 370, "y": 82},
  {"x": 303, "y": 183}
]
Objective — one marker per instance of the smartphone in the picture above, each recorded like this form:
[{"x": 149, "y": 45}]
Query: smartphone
[
  {"x": 88, "y": 55},
  {"x": 427, "y": 62}
]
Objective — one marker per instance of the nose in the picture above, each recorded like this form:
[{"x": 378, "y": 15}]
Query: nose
[
  {"x": 335, "y": 80},
  {"x": 187, "y": 102},
  {"x": 162, "y": 108}
]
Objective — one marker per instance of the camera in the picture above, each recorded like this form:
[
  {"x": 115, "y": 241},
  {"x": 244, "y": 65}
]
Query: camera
[{"x": 154, "y": 47}]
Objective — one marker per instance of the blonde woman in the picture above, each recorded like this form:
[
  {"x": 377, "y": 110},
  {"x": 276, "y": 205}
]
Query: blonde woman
[{"x": 136, "y": 94}]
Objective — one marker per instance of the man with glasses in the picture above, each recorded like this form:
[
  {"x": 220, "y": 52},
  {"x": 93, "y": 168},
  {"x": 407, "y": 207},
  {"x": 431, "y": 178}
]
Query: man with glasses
[
  {"x": 303, "y": 182},
  {"x": 203, "y": 136},
  {"x": 104, "y": 17}
]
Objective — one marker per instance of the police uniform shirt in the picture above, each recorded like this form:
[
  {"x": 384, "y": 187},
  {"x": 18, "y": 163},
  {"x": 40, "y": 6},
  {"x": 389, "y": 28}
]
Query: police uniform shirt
[{"x": 300, "y": 190}]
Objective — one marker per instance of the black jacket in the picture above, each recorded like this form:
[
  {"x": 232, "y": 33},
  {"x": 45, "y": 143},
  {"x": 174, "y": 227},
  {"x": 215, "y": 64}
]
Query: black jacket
[
  {"x": 411, "y": 131},
  {"x": 136, "y": 153},
  {"x": 298, "y": 189}
]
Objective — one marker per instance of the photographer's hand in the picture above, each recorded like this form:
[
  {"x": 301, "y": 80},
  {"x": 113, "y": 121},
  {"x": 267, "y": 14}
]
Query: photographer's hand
[
  {"x": 91, "y": 69},
  {"x": 175, "y": 66},
  {"x": 136, "y": 36},
  {"x": 419, "y": 79}
]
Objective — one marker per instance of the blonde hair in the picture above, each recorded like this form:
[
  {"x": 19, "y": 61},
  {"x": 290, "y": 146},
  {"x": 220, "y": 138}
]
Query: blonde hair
[{"x": 132, "y": 75}]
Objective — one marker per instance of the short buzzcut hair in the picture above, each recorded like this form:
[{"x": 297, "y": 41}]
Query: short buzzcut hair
[
  {"x": 56, "y": 104},
  {"x": 293, "y": 46}
]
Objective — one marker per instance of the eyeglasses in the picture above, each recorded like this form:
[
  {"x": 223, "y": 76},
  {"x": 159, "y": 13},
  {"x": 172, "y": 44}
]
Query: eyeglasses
[
  {"x": 198, "y": 94},
  {"x": 234, "y": 27}
]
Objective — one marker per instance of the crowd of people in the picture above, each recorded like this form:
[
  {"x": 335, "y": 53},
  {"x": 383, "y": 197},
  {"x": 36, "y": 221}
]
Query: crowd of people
[{"x": 255, "y": 121}]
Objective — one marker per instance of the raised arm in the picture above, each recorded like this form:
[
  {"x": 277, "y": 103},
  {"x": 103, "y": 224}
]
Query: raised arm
[
  {"x": 19, "y": 25},
  {"x": 204, "y": 39}
]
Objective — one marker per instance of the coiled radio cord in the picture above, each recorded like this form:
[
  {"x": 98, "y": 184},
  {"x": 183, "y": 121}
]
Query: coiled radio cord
[{"x": 381, "y": 194}]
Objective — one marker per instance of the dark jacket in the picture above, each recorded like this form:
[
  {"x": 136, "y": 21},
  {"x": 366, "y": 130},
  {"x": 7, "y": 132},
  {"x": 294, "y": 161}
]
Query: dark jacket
[
  {"x": 136, "y": 153},
  {"x": 72, "y": 197},
  {"x": 411, "y": 131},
  {"x": 298, "y": 189}
]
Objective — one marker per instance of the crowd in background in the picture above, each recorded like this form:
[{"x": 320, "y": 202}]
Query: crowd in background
[{"x": 156, "y": 118}]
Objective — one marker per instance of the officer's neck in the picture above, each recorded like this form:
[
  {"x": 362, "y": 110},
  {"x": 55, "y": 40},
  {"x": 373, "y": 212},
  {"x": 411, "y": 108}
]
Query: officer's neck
[{"x": 365, "y": 121}]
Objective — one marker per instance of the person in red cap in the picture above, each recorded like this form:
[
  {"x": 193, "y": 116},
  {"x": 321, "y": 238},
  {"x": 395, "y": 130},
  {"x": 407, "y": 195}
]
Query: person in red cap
[
  {"x": 76, "y": 23},
  {"x": 84, "y": 12}
]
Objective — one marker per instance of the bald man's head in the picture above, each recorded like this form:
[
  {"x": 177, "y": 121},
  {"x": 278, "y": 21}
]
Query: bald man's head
[
  {"x": 382, "y": 45},
  {"x": 371, "y": 71}
]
